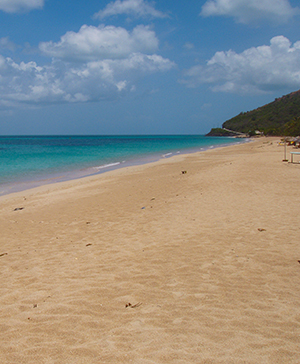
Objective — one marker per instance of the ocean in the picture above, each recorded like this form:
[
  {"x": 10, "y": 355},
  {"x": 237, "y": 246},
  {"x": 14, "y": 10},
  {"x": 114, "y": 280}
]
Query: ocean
[{"x": 30, "y": 161}]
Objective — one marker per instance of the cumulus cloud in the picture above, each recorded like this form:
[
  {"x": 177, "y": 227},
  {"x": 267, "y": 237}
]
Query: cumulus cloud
[
  {"x": 262, "y": 69},
  {"x": 93, "y": 64},
  {"x": 137, "y": 8},
  {"x": 103, "y": 42},
  {"x": 248, "y": 11},
  {"x": 61, "y": 82},
  {"x": 14, "y": 6}
]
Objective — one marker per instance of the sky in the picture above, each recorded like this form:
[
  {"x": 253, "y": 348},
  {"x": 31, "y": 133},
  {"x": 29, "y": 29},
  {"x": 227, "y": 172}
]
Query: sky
[{"x": 142, "y": 67}]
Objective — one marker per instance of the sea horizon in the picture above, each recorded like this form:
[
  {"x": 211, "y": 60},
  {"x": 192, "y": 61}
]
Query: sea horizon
[{"x": 29, "y": 161}]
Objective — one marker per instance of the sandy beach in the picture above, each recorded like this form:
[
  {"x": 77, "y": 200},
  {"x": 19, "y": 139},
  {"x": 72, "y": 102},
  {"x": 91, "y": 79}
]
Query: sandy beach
[{"x": 151, "y": 265}]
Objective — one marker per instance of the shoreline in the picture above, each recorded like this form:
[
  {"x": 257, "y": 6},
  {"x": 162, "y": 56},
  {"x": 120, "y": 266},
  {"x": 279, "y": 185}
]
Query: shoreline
[
  {"x": 69, "y": 175},
  {"x": 147, "y": 264}
]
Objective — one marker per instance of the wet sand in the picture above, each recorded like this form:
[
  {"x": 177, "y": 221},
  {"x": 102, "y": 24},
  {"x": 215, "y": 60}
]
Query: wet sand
[{"x": 147, "y": 264}]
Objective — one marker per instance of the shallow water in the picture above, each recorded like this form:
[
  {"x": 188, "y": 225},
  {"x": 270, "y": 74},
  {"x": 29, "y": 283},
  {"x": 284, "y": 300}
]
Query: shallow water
[{"x": 28, "y": 161}]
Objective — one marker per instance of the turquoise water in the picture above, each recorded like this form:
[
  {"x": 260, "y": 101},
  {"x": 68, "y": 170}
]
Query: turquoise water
[{"x": 28, "y": 161}]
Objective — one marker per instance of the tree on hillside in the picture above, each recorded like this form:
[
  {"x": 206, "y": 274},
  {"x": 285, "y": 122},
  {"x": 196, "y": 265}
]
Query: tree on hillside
[{"x": 292, "y": 128}]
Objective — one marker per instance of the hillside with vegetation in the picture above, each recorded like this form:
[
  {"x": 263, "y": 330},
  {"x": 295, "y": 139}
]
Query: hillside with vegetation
[{"x": 280, "y": 117}]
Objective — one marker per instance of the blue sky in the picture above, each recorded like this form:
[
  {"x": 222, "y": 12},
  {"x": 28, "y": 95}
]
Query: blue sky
[{"x": 142, "y": 67}]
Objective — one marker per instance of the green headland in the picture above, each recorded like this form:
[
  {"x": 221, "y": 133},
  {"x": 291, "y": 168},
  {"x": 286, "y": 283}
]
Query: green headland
[{"x": 279, "y": 118}]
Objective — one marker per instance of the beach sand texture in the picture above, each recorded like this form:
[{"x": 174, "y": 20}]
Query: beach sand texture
[{"x": 207, "y": 260}]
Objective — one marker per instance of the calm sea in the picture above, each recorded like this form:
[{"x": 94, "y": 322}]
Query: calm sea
[{"x": 29, "y": 161}]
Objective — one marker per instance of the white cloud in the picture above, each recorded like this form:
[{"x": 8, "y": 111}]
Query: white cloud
[
  {"x": 261, "y": 69},
  {"x": 5, "y": 43},
  {"x": 92, "y": 64},
  {"x": 189, "y": 45},
  {"x": 248, "y": 11},
  {"x": 137, "y": 8},
  {"x": 62, "y": 82},
  {"x": 103, "y": 42},
  {"x": 14, "y": 6}
]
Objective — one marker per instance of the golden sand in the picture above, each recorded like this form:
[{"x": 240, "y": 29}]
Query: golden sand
[{"x": 151, "y": 265}]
